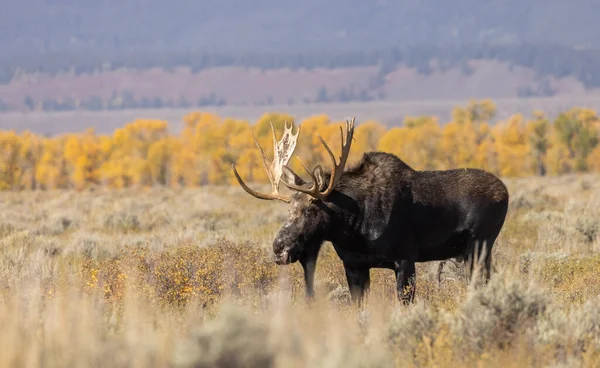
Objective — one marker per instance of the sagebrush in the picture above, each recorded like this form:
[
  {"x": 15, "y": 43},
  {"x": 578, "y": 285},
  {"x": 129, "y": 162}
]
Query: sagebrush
[{"x": 185, "y": 278}]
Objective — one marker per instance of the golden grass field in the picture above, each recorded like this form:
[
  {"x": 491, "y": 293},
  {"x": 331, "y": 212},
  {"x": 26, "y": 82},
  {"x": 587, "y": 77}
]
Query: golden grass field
[{"x": 185, "y": 278}]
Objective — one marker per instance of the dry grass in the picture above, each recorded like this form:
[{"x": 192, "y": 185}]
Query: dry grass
[{"x": 185, "y": 279}]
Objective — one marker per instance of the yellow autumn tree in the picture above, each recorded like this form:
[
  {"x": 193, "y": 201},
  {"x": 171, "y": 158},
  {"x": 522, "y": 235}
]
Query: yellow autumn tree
[
  {"x": 227, "y": 153},
  {"x": 159, "y": 160},
  {"x": 367, "y": 136},
  {"x": 467, "y": 140},
  {"x": 538, "y": 131},
  {"x": 513, "y": 147},
  {"x": 245, "y": 153},
  {"x": 10, "y": 173},
  {"x": 458, "y": 144},
  {"x": 30, "y": 150},
  {"x": 127, "y": 155},
  {"x": 478, "y": 112},
  {"x": 76, "y": 161},
  {"x": 144, "y": 153},
  {"x": 200, "y": 142},
  {"x": 51, "y": 171},
  {"x": 486, "y": 155},
  {"x": 416, "y": 142},
  {"x": 309, "y": 147},
  {"x": 577, "y": 130}
]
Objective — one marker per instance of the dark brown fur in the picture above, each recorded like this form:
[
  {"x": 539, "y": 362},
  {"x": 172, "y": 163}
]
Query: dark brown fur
[{"x": 384, "y": 214}]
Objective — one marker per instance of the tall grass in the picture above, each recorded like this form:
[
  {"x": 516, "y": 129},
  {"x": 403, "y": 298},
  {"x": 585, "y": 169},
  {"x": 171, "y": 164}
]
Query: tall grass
[{"x": 186, "y": 279}]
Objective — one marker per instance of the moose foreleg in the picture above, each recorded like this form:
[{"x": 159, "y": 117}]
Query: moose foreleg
[
  {"x": 309, "y": 266},
  {"x": 405, "y": 281},
  {"x": 308, "y": 260}
]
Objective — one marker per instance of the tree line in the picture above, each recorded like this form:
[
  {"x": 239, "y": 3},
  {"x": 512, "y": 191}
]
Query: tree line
[
  {"x": 118, "y": 101},
  {"x": 126, "y": 100},
  {"x": 547, "y": 60},
  {"x": 144, "y": 152}
]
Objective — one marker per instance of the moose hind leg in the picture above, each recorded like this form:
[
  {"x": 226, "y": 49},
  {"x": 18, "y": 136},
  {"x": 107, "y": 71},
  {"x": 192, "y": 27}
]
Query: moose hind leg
[
  {"x": 405, "y": 281},
  {"x": 469, "y": 259},
  {"x": 359, "y": 282},
  {"x": 487, "y": 247},
  {"x": 478, "y": 259}
]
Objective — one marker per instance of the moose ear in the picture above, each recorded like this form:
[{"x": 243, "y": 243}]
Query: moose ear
[
  {"x": 318, "y": 172},
  {"x": 290, "y": 177}
]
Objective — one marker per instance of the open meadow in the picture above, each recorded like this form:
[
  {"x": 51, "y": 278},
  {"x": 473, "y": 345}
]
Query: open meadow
[{"x": 185, "y": 278}]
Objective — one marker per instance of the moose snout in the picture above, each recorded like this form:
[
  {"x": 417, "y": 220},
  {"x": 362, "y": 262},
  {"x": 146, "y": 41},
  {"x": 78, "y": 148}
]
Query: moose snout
[{"x": 282, "y": 256}]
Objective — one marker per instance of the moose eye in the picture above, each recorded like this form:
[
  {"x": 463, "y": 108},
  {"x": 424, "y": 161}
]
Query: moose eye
[{"x": 310, "y": 211}]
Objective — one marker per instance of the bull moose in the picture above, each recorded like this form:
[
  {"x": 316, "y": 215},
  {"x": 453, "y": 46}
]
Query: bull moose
[{"x": 381, "y": 213}]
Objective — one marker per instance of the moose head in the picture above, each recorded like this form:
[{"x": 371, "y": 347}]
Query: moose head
[{"x": 310, "y": 220}]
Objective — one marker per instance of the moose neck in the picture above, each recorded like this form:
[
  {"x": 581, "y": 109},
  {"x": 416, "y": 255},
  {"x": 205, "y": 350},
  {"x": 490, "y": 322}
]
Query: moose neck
[
  {"x": 344, "y": 214},
  {"x": 363, "y": 188}
]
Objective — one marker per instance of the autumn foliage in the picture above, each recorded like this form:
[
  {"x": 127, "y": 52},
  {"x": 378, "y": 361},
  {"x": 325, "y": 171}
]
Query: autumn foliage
[{"x": 146, "y": 153}]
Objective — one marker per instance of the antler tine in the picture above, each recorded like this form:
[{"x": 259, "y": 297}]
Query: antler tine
[
  {"x": 338, "y": 168},
  {"x": 312, "y": 175},
  {"x": 313, "y": 190},
  {"x": 283, "y": 151},
  {"x": 274, "y": 135},
  {"x": 265, "y": 160},
  {"x": 272, "y": 196}
]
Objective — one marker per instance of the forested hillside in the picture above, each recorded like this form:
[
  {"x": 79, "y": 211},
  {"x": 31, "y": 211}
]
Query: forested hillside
[
  {"x": 268, "y": 33},
  {"x": 550, "y": 40}
]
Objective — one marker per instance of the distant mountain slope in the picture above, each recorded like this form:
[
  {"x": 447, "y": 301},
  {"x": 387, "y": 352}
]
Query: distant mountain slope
[
  {"x": 60, "y": 54},
  {"x": 94, "y": 35},
  {"x": 283, "y": 25}
]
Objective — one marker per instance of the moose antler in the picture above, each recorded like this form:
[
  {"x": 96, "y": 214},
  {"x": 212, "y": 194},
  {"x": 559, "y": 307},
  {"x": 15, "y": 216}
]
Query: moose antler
[
  {"x": 283, "y": 151},
  {"x": 338, "y": 168}
]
